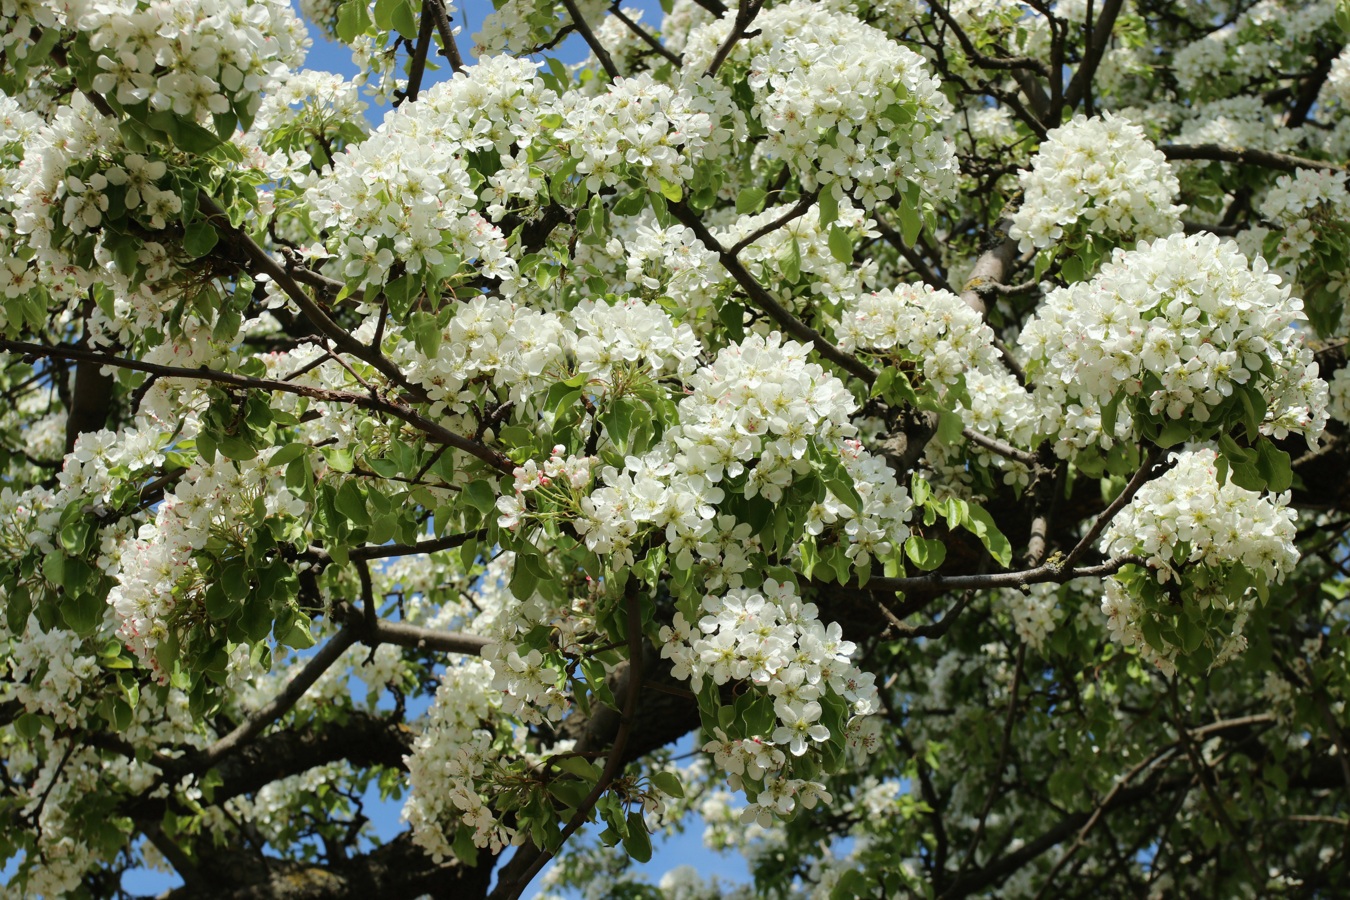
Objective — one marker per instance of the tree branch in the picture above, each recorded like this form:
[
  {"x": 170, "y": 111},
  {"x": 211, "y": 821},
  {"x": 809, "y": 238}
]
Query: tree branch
[
  {"x": 746, "y": 10},
  {"x": 1244, "y": 156},
  {"x": 512, "y": 889},
  {"x": 1080, "y": 86},
  {"x": 282, "y": 702},
  {"x": 761, "y": 297},
  {"x": 437, "y": 432},
  {"x": 592, "y": 41},
  {"x": 1135, "y": 483},
  {"x": 418, "y": 65}
]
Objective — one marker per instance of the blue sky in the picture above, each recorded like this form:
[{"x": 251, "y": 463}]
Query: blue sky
[{"x": 683, "y": 848}]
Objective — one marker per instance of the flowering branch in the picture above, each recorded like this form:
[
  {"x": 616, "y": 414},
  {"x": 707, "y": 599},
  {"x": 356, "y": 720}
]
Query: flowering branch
[
  {"x": 1048, "y": 572},
  {"x": 764, "y": 300},
  {"x": 437, "y": 432}
]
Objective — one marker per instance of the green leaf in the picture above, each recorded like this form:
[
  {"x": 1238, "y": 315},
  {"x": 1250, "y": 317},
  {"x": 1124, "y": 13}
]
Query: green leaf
[
  {"x": 351, "y": 502},
  {"x": 235, "y": 581},
  {"x": 28, "y": 726},
  {"x": 284, "y": 456},
  {"x": 828, "y": 208},
  {"x": 234, "y": 446},
  {"x": 82, "y": 610},
  {"x": 1109, "y": 412},
  {"x": 463, "y": 846},
  {"x": 841, "y": 245},
  {"x": 925, "y": 553},
  {"x": 481, "y": 496},
  {"x": 791, "y": 261},
  {"x": 981, "y": 524},
  {"x": 750, "y": 200},
  {"x": 672, "y": 192},
  {"x": 383, "y": 14},
  {"x": 631, "y": 203},
  {"x": 297, "y": 633},
  {"x": 1173, "y": 433},
  {"x": 1192, "y": 634},
  {"x": 18, "y": 606},
  {"x": 198, "y": 239},
  {"x": 352, "y": 20},
  {"x": 911, "y": 223},
  {"x": 637, "y": 842},
  {"x": 668, "y": 783},
  {"x": 1275, "y": 466}
]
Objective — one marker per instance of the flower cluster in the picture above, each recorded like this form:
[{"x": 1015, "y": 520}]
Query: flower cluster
[
  {"x": 1268, "y": 38},
  {"x": 1338, "y": 404},
  {"x": 452, "y": 759},
  {"x": 750, "y": 424},
  {"x": 646, "y": 132},
  {"x": 159, "y": 583},
  {"x": 670, "y": 262},
  {"x": 849, "y": 109},
  {"x": 196, "y": 59},
  {"x": 49, "y": 670},
  {"x": 307, "y": 106},
  {"x": 524, "y": 351},
  {"x": 407, "y": 192},
  {"x": 556, "y": 484},
  {"x": 1218, "y": 544},
  {"x": 771, "y": 640},
  {"x": 1301, "y": 205},
  {"x": 1180, "y": 327},
  {"x": 931, "y": 331},
  {"x": 1103, "y": 173}
]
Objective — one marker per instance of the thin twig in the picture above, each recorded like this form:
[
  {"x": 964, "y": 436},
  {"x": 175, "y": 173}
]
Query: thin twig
[
  {"x": 613, "y": 764},
  {"x": 765, "y": 301},
  {"x": 1144, "y": 474},
  {"x": 592, "y": 41},
  {"x": 797, "y": 210},
  {"x": 418, "y": 65},
  {"x": 746, "y": 11},
  {"x": 645, "y": 37},
  {"x": 994, "y": 445}
]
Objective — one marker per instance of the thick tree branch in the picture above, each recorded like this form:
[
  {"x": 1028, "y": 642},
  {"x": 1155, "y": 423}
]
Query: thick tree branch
[
  {"x": 1244, "y": 156},
  {"x": 1080, "y": 86}
]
